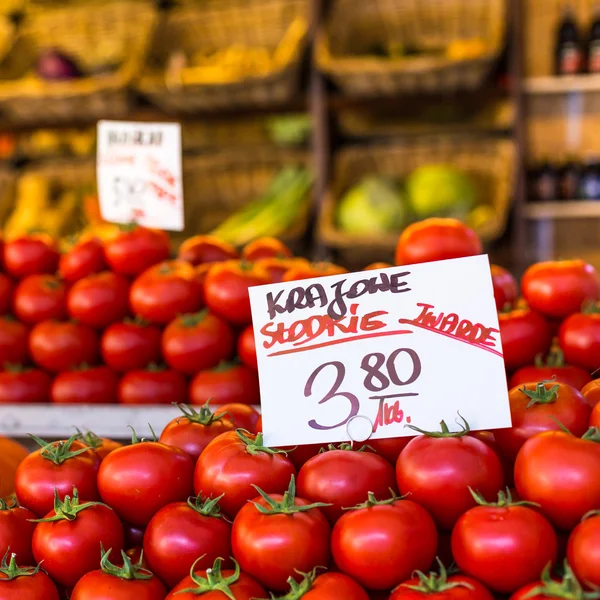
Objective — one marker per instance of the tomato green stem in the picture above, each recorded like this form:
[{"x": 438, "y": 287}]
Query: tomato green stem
[
  {"x": 67, "y": 509},
  {"x": 128, "y": 571},
  {"x": 204, "y": 416},
  {"x": 287, "y": 506},
  {"x": 255, "y": 445},
  {"x": 592, "y": 435},
  {"x": 504, "y": 500},
  {"x": 209, "y": 507},
  {"x": 192, "y": 319},
  {"x": 445, "y": 432},
  {"x": 554, "y": 359},
  {"x": 10, "y": 570},
  {"x": 568, "y": 588},
  {"x": 435, "y": 583},
  {"x": 136, "y": 440},
  {"x": 372, "y": 501},
  {"x": 348, "y": 446},
  {"x": 214, "y": 580},
  {"x": 298, "y": 590},
  {"x": 58, "y": 452},
  {"x": 541, "y": 394}
]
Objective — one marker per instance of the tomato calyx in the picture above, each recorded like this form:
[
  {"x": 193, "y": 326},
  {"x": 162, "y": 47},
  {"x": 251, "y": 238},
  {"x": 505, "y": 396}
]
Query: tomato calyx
[
  {"x": 209, "y": 507},
  {"x": 591, "y": 514},
  {"x": 11, "y": 570},
  {"x": 435, "y": 583},
  {"x": 204, "y": 416},
  {"x": 193, "y": 319},
  {"x": 346, "y": 446},
  {"x": 4, "y": 503},
  {"x": 128, "y": 571},
  {"x": 372, "y": 501},
  {"x": 52, "y": 284},
  {"x": 214, "y": 580},
  {"x": 226, "y": 365},
  {"x": 136, "y": 440},
  {"x": 554, "y": 359},
  {"x": 255, "y": 446},
  {"x": 59, "y": 452},
  {"x": 298, "y": 590},
  {"x": 504, "y": 500},
  {"x": 156, "y": 368},
  {"x": 67, "y": 509},
  {"x": 445, "y": 432},
  {"x": 592, "y": 435},
  {"x": 16, "y": 368},
  {"x": 591, "y": 308},
  {"x": 568, "y": 588},
  {"x": 137, "y": 321},
  {"x": 541, "y": 394},
  {"x": 90, "y": 439},
  {"x": 287, "y": 506}
]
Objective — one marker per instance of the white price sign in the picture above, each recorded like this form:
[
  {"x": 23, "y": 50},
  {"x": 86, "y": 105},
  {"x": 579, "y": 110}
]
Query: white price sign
[
  {"x": 139, "y": 174},
  {"x": 360, "y": 355}
]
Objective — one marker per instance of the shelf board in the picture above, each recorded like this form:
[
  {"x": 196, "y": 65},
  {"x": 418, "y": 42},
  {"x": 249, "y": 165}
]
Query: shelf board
[
  {"x": 51, "y": 421},
  {"x": 562, "y": 209},
  {"x": 562, "y": 84}
]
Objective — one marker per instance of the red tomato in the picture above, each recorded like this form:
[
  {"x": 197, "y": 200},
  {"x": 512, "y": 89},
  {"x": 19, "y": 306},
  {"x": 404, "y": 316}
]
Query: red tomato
[
  {"x": 288, "y": 537},
  {"x": 378, "y": 533},
  {"x": 243, "y": 416},
  {"x": 436, "y": 239},
  {"x": 305, "y": 270},
  {"x": 82, "y": 260},
  {"x": 6, "y": 293},
  {"x": 17, "y": 583},
  {"x": 57, "y": 346},
  {"x": 591, "y": 392},
  {"x": 276, "y": 268},
  {"x": 328, "y": 586},
  {"x": 29, "y": 255},
  {"x": 88, "y": 385},
  {"x": 165, "y": 291},
  {"x": 68, "y": 538},
  {"x": 560, "y": 288},
  {"x": 554, "y": 368},
  {"x": 134, "y": 249},
  {"x": 266, "y": 247},
  {"x": 438, "y": 471},
  {"x": 227, "y": 383},
  {"x": 343, "y": 477},
  {"x": 226, "y": 290},
  {"x": 59, "y": 466},
  {"x": 246, "y": 348},
  {"x": 506, "y": 290},
  {"x": 231, "y": 584},
  {"x": 537, "y": 407},
  {"x": 202, "y": 249},
  {"x": 390, "y": 448},
  {"x": 193, "y": 431},
  {"x": 233, "y": 463},
  {"x": 39, "y": 298},
  {"x": 19, "y": 385},
  {"x": 102, "y": 446},
  {"x": 259, "y": 428},
  {"x": 441, "y": 587},
  {"x": 131, "y": 345},
  {"x": 138, "y": 480},
  {"x": 99, "y": 300},
  {"x": 154, "y": 385},
  {"x": 524, "y": 335},
  {"x": 195, "y": 342},
  {"x": 376, "y": 266},
  {"x": 13, "y": 341},
  {"x": 595, "y": 417},
  {"x": 132, "y": 580},
  {"x": 503, "y": 533},
  {"x": 560, "y": 473},
  {"x": 579, "y": 337},
  {"x": 16, "y": 531},
  {"x": 583, "y": 550},
  {"x": 181, "y": 532}
]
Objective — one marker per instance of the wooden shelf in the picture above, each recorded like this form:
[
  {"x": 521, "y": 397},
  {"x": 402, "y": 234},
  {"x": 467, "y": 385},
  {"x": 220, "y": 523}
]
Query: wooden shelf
[
  {"x": 51, "y": 421},
  {"x": 562, "y": 209},
  {"x": 562, "y": 84}
]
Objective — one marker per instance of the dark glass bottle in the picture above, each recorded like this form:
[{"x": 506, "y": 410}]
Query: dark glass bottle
[
  {"x": 593, "y": 59},
  {"x": 590, "y": 180},
  {"x": 546, "y": 183},
  {"x": 570, "y": 179},
  {"x": 569, "y": 49}
]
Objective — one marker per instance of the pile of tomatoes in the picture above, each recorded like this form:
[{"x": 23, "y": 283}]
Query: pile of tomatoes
[{"x": 121, "y": 321}]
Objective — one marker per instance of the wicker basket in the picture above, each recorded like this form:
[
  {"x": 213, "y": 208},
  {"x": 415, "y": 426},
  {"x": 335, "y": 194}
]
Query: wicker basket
[
  {"x": 489, "y": 162},
  {"x": 94, "y": 35},
  {"x": 355, "y": 27},
  {"x": 216, "y": 186},
  {"x": 278, "y": 26}
]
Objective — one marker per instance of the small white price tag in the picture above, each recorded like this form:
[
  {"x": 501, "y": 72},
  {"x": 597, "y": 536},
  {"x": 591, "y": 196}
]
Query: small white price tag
[
  {"x": 139, "y": 174},
  {"x": 362, "y": 355}
]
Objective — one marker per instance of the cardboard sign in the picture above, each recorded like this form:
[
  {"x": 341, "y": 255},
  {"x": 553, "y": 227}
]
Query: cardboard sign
[
  {"x": 360, "y": 355},
  {"x": 139, "y": 174}
]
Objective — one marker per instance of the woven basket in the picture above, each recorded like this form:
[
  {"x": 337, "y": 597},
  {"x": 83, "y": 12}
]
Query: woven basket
[
  {"x": 280, "y": 27},
  {"x": 218, "y": 185},
  {"x": 355, "y": 27},
  {"x": 488, "y": 161},
  {"x": 94, "y": 35}
]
